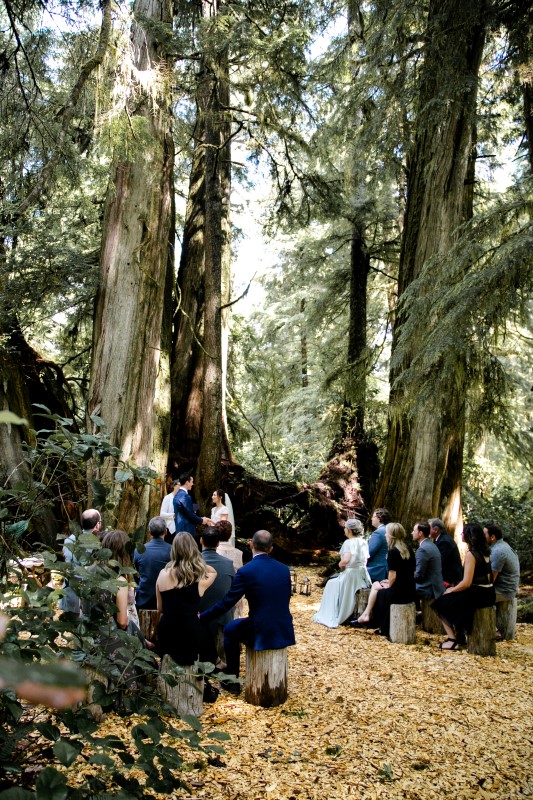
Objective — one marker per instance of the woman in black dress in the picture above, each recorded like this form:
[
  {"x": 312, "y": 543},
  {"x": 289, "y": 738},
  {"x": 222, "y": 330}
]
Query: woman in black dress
[
  {"x": 476, "y": 590},
  {"x": 398, "y": 588},
  {"x": 179, "y": 587}
]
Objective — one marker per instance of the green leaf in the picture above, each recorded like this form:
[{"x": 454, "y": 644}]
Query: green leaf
[
  {"x": 220, "y": 736},
  {"x": 17, "y": 529},
  {"x": 48, "y": 730},
  {"x": 51, "y": 785},
  {"x": 192, "y": 721},
  {"x": 17, "y": 794},
  {"x": 65, "y": 752},
  {"x": 12, "y": 419},
  {"x": 98, "y": 421},
  {"x": 123, "y": 475},
  {"x": 101, "y": 760}
]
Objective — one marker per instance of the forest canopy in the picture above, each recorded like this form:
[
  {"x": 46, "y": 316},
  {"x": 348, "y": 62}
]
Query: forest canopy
[{"x": 284, "y": 244}]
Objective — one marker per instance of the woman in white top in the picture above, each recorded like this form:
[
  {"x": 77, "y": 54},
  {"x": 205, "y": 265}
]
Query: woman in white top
[
  {"x": 219, "y": 511},
  {"x": 167, "y": 508},
  {"x": 338, "y": 600}
]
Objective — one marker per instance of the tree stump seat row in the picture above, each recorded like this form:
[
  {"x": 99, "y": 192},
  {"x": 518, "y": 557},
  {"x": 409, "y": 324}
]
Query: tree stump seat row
[
  {"x": 506, "y": 612},
  {"x": 266, "y": 677},
  {"x": 403, "y": 623}
]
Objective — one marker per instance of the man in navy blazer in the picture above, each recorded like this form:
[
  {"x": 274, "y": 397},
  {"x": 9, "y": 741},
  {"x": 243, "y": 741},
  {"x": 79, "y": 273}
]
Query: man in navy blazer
[
  {"x": 186, "y": 519},
  {"x": 428, "y": 572},
  {"x": 266, "y": 584},
  {"x": 149, "y": 563}
]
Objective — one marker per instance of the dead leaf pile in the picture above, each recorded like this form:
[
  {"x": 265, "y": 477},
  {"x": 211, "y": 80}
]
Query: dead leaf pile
[{"x": 370, "y": 719}]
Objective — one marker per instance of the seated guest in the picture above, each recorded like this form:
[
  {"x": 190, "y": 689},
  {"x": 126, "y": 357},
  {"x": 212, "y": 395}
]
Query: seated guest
[
  {"x": 452, "y": 568},
  {"x": 225, "y": 529},
  {"x": 398, "y": 588},
  {"x": 476, "y": 590},
  {"x": 338, "y": 600},
  {"x": 91, "y": 522},
  {"x": 150, "y": 563},
  {"x": 221, "y": 585},
  {"x": 377, "y": 546},
  {"x": 179, "y": 589},
  {"x": 428, "y": 571},
  {"x": 505, "y": 565}
]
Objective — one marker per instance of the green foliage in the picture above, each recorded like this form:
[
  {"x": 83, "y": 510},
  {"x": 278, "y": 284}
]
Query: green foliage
[{"x": 67, "y": 650}]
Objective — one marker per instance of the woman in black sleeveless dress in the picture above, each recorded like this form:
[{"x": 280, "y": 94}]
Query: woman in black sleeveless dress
[
  {"x": 179, "y": 587},
  {"x": 476, "y": 590}
]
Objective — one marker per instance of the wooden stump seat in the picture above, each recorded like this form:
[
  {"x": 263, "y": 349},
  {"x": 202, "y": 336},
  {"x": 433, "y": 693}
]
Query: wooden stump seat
[
  {"x": 186, "y": 696},
  {"x": 361, "y": 598},
  {"x": 148, "y": 621},
  {"x": 482, "y": 640},
  {"x": 506, "y": 611},
  {"x": 431, "y": 622},
  {"x": 403, "y": 623},
  {"x": 266, "y": 677}
]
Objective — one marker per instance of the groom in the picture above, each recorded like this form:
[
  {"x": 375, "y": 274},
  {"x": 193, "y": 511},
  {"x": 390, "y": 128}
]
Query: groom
[{"x": 266, "y": 584}]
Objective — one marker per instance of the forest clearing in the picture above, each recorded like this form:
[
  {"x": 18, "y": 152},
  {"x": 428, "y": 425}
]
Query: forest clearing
[{"x": 367, "y": 719}]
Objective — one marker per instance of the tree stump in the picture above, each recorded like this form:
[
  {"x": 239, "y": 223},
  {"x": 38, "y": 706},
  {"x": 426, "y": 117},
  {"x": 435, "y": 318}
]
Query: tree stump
[
  {"x": 431, "y": 622},
  {"x": 482, "y": 640},
  {"x": 266, "y": 677},
  {"x": 361, "y": 600},
  {"x": 506, "y": 618},
  {"x": 148, "y": 621},
  {"x": 403, "y": 623},
  {"x": 186, "y": 695}
]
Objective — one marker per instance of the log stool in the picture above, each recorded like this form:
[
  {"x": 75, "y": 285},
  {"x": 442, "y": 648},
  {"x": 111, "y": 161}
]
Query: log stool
[
  {"x": 148, "y": 621},
  {"x": 482, "y": 640},
  {"x": 506, "y": 618},
  {"x": 431, "y": 622},
  {"x": 403, "y": 623},
  {"x": 186, "y": 693},
  {"x": 266, "y": 677},
  {"x": 361, "y": 598}
]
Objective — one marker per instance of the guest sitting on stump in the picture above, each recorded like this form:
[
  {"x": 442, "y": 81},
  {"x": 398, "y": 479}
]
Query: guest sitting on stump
[
  {"x": 377, "y": 546},
  {"x": 398, "y": 588},
  {"x": 457, "y": 605}
]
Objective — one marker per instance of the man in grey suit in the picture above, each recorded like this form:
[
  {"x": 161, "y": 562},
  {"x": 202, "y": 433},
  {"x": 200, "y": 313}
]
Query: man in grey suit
[
  {"x": 428, "y": 572},
  {"x": 210, "y": 540}
]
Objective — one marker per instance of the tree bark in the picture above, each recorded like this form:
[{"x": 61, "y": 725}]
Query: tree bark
[
  {"x": 130, "y": 386},
  {"x": 421, "y": 474}
]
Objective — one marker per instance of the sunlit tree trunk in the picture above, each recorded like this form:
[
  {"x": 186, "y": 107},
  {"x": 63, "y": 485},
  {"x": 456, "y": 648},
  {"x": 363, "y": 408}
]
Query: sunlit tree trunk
[
  {"x": 130, "y": 388},
  {"x": 421, "y": 474}
]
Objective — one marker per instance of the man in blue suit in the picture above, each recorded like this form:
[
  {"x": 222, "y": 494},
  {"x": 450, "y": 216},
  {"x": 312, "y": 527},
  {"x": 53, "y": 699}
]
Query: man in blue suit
[
  {"x": 377, "y": 546},
  {"x": 186, "y": 519},
  {"x": 266, "y": 584},
  {"x": 149, "y": 563}
]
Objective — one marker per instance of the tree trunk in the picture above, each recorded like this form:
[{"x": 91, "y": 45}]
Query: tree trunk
[
  {"x": 129, "y": 386},
  {"x": 199, "y": 436},
  {"x": 421, "y": 474}
]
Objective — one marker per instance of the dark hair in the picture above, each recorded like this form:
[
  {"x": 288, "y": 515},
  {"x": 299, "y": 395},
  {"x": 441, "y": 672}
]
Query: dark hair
[
  {"x": 219, "y": 493},
  {"x": 117, "y": 542},
  {"x": 423, "y": 527},
  {"x": 184, "y": 477},
  {"x": 383, "y": 515},
  {"x": 493, "y": 530},
  {"x": 225, "y": 529},
  {"x": 157, "y": 527},
  {"x": 475, "y": 539},
  {"x": 90, "y": 519},
  {"x": 211, "y": 537},
  {"x": 262, "y": 541}
]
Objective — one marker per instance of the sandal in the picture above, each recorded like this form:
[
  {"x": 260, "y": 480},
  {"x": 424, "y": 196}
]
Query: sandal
[{"x": 453, "y": 646}]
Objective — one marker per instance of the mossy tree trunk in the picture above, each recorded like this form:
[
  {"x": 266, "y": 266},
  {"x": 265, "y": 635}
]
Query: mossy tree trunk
[
  {"x": 421, "y": 474},
  {"x": 130, "y": 386}
]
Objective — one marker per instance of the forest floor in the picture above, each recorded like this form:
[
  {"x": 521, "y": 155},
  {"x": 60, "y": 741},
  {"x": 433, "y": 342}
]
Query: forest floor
[{"x": 369, "y": 719}]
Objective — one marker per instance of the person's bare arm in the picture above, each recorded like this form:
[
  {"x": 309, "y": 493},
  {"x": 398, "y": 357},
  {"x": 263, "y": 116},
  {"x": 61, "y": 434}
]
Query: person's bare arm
[
  {"x": 121, "y": 601},
  {"x": 205, "y": 582},
  {"x": 468, "y": 575}
]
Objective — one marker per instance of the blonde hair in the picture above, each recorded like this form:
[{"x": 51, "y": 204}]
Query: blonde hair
[
  {"x": 186, "y": 562},
  {"x": 396, "y": 537}
]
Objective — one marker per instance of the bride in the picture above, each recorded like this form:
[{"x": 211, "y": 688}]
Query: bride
[{"x": 338, "y": 600}]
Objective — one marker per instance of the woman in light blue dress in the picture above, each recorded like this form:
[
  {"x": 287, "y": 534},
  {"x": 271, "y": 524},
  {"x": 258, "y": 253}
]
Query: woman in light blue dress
[{"x": 338, "y": 600}]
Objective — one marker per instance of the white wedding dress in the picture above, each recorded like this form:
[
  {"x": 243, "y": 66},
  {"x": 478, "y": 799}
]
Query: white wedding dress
[{"x": 338, "y": 600}]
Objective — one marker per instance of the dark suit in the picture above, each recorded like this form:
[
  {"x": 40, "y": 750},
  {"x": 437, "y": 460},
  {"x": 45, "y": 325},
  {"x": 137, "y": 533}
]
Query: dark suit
[
  {"x": 428, "y": 572},
  {"x": 149, "y": 564},
  {"x": 377, "y": 550},
  {"x": 186, "y": 519},
  {"x": 266, "y": 584},
  {"x": 219, "y": 588},
  {"x": 452, "y": 568}
]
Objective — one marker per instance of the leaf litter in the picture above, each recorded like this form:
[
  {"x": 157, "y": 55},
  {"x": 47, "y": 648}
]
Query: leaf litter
[{"x": 369, "y": 719}]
